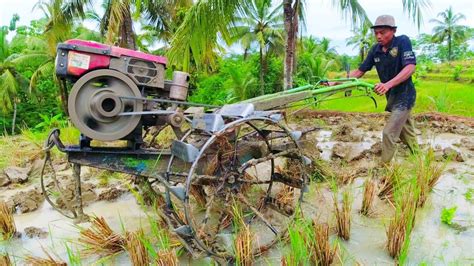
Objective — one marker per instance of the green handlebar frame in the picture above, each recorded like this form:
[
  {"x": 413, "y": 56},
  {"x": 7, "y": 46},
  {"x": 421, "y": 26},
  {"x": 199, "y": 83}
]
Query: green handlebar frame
[{"x": 284, "y": 98}]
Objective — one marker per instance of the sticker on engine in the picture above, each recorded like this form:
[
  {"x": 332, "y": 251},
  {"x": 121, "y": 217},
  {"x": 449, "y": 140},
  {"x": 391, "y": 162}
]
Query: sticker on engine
[{"x": 79, "y": 60}]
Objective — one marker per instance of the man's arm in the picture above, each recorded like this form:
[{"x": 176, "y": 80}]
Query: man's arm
[
  {"x": 356, "y": 73},
  {"x": 407, "y": 71}
]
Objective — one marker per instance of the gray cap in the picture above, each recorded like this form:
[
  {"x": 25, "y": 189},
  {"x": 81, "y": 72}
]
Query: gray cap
[{"x": 384, "y": 21}]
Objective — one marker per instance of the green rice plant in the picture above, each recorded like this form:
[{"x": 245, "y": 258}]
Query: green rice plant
[
  {"x": 393, "y": 177},
  {"x": 299, "y": 232},
  {"x": 7, "y": 223},
  {"x": 159, "y": 244},
  {"x": 370, "y": 189},
  {"x": 73, "y": 257},
  {"x": 99, "y": 238},
  {"x": 457, "y": 72},
  {"x": 469, "y": 195},
  {"x": 309, "y": 243},
  {"x": 50, "y": 260},
  {"x": 447, "y": 215},
  {"x": 342, "y": 211},
  {"x": 243, "y": 239},
  {"x": 322, "y": 252},
  {"x": 5, "y": 259},
  {"x": 428, "y": 173},
  {"x": 136, "y": 249},
  {"x": 400, "y": 226}
]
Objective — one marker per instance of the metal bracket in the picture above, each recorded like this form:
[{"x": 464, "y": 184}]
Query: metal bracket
[
  {"x": 237, "y": 110},
  {"x": 208, "y": 122},
  {"x": 184, "y": 151}
]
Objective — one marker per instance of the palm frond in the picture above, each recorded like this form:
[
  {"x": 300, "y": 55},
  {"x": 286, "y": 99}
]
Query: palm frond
[
  {"x": 28, "y": 58},
  {"x": 414, "y": 8},
  {"x": 44, "y": 69},
  {"x": 9, "y": 88},
  {"x": 353, "y": 10},
  {"x": 198, "y": 34}
]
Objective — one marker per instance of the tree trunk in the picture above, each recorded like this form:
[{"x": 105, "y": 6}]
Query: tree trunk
[
  {"x": 290, "y": 13},
  {"x": 295, "y": 37},
  {"x": 127, "y": 36},
  {"x": 63, "y": 95},
  {"x": 449, "y": 48},
  {"x": 14, "y": 117},
  {"x": 288, "y": 64},
  {"x": 262, "y": 82},
  {"x": 246, "y": 53}
]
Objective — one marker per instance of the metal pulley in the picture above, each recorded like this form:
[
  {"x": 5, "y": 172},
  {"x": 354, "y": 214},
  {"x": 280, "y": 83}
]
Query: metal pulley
[{"x": 96, "y": 101}]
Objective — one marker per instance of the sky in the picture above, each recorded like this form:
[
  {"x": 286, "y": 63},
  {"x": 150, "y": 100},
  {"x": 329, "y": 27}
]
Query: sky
[{"x": 322, "y": 19}]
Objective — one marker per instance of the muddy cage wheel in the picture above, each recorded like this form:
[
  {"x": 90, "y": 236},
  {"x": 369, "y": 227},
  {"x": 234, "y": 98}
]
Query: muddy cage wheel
[{"x": 254, "y": 164}]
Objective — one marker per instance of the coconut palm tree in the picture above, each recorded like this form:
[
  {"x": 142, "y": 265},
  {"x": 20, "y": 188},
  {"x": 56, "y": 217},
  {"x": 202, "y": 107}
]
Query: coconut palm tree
[
  {"x": 205, "y": 25},
  {"x": 60, "y": 17},
  {"x": 259, "y": 24},
  {"x": 314, "y": 67},
  {"x": 10, "y": 80},
  {"x": 242, "y": 83},
  {"x": 448, "y": 30},
  {"x": 362, "y": 40}
]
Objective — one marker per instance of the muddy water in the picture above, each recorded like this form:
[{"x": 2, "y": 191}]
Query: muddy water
[
  {"x": 123, "y": 213},
  {"x": 437, "y": 243},
  {"x": 432, "y": 241}
]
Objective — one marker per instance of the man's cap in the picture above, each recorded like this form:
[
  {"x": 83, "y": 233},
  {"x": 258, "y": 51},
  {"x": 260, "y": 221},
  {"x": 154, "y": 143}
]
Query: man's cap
[{"x": 384, "y": 21}]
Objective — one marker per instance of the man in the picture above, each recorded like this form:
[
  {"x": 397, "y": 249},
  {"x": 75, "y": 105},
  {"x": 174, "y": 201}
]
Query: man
[{"x": 395, "y": 63}]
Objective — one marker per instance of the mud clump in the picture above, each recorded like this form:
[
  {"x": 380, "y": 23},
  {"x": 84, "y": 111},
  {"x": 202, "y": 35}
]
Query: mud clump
[
  {"x": 34, "y": 232},
  {"x": 346, "y": 133},
  {"x": 4, "y": 180},
  {"x": 350, "y": 152},
  {"x": 468, "y": 143},
  {"x": 69, "y": 194},
  {"x": 450, "y": 153},
  {"x": 27, "y": 200},
  {"x": 17, "y": 175},
  {"x": 111, "y": 193},
  {"x": 376, "y": 148},
  {"x": 340, "y": 150}
]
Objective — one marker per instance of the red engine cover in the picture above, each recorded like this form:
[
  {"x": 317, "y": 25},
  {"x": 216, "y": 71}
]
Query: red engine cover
[
  {"x": 84, "y": 56},
  {"x": 80, "y": 63}
]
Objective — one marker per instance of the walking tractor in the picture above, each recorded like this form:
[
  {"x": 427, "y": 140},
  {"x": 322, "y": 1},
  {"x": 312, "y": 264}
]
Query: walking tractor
[{"x": 237, "y": 154}]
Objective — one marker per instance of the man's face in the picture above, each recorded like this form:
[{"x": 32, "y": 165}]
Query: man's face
[{"x": 384, "y": 35}]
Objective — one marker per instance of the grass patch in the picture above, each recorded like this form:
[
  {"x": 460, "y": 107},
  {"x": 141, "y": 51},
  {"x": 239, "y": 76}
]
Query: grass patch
[
  {"x": 445, "y": 96},
  {"x": 28, "y": 146}
]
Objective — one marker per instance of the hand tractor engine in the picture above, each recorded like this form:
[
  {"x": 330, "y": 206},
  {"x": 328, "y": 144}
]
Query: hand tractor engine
[{"x": 111, "y": 86}]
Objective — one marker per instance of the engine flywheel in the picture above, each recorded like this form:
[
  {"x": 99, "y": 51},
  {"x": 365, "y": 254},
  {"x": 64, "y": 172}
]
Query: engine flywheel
[{"x": 95, "y": 104}]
